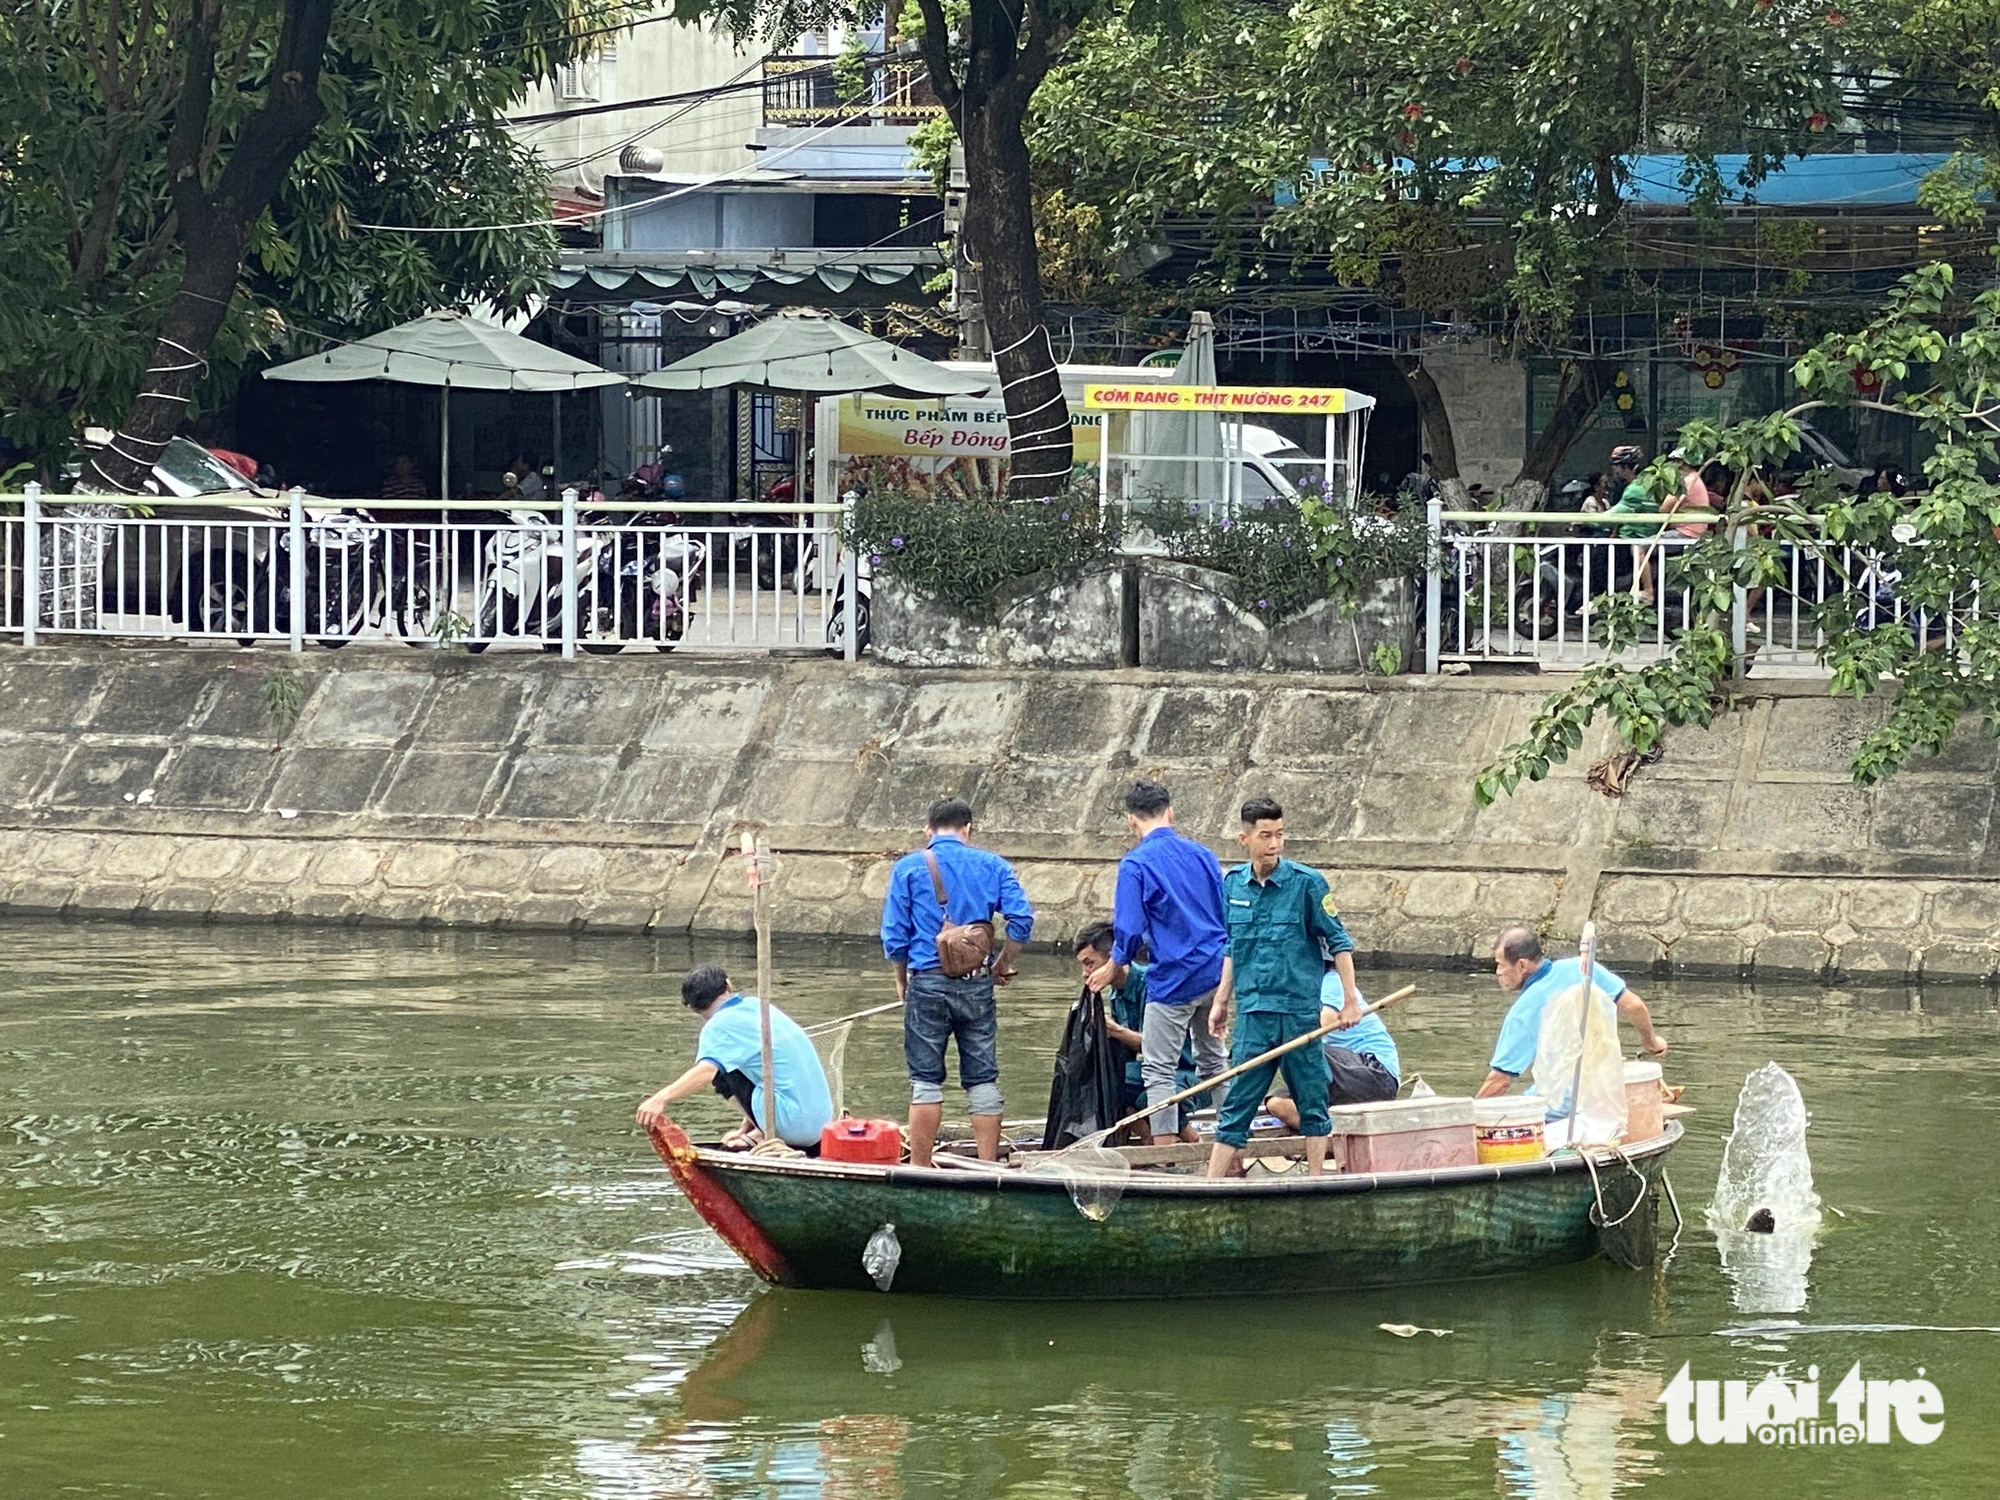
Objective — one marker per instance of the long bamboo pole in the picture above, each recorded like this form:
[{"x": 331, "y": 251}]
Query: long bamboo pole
[
  {"x": 761, "y": 918},
  {"x": 1259, "y": 1061}
]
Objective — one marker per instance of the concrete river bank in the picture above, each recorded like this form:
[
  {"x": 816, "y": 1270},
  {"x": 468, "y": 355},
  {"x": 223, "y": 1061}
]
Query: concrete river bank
[
  {"x": 365, "y": 1215},
  {"x": 426, "y": 788}
]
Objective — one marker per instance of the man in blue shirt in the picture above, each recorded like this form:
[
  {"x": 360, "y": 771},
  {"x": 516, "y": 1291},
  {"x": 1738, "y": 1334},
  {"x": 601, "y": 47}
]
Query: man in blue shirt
[
  {"x": 936, "y": 1007},
  {"x": 1521, "y": 969},
  {"x": 1169, "y": 901},
  {"x": 729, "y": 1057},
  {"x": 1283, "y": 926}
]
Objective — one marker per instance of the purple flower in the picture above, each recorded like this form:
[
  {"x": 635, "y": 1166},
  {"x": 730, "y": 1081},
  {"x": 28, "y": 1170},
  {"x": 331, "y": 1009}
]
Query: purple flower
[
  {"x": 895, "y": 541},
  {"x": 1263, "y": 603},
  {"x": 1222, "y": 525},
  {"x": 874, "y": 557},
  {"x": 1065, "y": 515}
]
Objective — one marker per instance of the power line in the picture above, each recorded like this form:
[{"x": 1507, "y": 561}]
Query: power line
[{"x": 601, "y": 213}]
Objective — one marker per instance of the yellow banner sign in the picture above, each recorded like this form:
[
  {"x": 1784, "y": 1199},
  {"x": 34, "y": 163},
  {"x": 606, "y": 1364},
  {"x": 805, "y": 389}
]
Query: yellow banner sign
[
  {"x": 1235, "y": 400},
  {"x": 886, "y": 427}
]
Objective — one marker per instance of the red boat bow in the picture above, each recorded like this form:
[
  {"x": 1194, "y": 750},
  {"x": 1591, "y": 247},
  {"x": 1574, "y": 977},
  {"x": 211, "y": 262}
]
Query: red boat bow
[{"x": 713, "y": 1202}]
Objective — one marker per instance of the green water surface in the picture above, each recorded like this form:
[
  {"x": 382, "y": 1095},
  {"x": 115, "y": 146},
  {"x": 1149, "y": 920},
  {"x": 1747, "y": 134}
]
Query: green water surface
[{"x": 364, "y": 1215}]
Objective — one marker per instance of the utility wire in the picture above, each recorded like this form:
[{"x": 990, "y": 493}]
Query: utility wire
[{"x": 601, "y": 213}]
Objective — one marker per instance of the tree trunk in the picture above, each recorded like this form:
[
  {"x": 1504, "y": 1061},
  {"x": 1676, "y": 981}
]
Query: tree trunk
[
  {"x": 1008, "y": 52},
  {"x": 1584, "y": 383},
  {"x": 213, "y": 223},
  {"x": 1439, "y": 441},
  {"x": 1000, "y": 236}
]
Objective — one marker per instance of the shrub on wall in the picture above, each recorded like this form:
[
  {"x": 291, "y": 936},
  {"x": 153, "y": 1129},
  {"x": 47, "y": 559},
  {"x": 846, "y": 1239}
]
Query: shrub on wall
[
  {"x": 963, "y": 552},
  {"x": 1280, "y": 560},
  {"x": 1283, "y": 559}
]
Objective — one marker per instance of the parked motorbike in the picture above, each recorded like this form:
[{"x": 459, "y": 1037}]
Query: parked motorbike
[
  {"x": 633, "y": 582},
  {"x": 357, "y": 574},
  {"x": 639, "y": 588}
]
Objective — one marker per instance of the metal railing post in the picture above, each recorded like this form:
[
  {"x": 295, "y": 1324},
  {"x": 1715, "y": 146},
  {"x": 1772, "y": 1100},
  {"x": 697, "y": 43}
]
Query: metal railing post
[
  {"x": 31, "y": 562},
  {"x": 850, "y": 580},
  {"x": 569, "y": 574},
  {"x": 295, "y": 499},
  {"x": 1434, "y": 584},
  {"x": 1739, "y": 612}
]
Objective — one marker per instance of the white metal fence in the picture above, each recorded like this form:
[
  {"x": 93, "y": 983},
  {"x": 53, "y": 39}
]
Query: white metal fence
[
  {"x": 1536, "y": 593},
  {"x": 616, "y": 576}
]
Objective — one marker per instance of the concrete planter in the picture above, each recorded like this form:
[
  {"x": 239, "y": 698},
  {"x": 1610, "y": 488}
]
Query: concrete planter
[
  {"x": 1188, "y": 621},
  {"x": 1041, "y": 622}
]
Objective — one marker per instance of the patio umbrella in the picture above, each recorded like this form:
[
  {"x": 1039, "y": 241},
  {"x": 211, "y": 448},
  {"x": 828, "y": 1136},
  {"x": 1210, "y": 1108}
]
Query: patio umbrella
[
  {"x": 811, "y": 354},
  {"x": 1193, "y": 439},
  {"x": 448, "y": 349}
]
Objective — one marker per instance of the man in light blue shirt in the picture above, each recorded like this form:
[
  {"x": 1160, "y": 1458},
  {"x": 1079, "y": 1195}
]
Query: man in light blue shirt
[
  {"x": 1523, "y": 971},
  {"x": 937, "y": 1007},
  {"x": 1361, "y": 1060},
  {"x": 729, "y": 1057}
]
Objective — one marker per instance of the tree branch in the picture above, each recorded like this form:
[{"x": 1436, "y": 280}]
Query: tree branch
[
  {"x": 936, "y": 46},
  {"x": 190, "y": 129}
]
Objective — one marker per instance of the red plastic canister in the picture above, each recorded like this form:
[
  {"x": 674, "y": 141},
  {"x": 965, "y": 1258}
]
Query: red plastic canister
[{"x": 877, "y": 1141}]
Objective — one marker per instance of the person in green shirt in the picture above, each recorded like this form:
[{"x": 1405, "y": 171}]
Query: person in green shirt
[
  {"x": 1284, "y": 931},
  {"x": 1125, "y": 1024},
  {"x": 1634, "y": 499}
]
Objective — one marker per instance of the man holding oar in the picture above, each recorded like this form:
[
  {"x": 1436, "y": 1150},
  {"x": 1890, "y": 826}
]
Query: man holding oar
[
  {"x": 1169, "y": 901},
  {"x": 1283, "y": 929}
]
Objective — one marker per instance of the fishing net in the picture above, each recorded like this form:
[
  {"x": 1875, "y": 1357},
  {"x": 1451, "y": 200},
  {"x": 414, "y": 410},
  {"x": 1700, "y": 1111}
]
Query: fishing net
[
  {"x": 835, "y": 1064},
  {"x": 1094, "y": 1174},
  {"x": 1579, "y": 1069}
]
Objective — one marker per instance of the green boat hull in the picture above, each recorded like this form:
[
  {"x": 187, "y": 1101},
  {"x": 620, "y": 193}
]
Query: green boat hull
[{"x": 1020, "y": 1234}]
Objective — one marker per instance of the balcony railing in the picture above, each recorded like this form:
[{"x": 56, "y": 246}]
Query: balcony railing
[{"x": 821, "y": 91}]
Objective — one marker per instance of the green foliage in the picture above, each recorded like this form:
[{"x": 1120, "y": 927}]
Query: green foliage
[
  {"x": 284, "y": 698},
  {"x": 414, "y": 92},
  {"x": 1386, "y": 660},
  {"x": 1933, "y": 557},
  {"x": 964, "y": 552},
  {"x": 1283, "y": 559},
  {"x": 1398, "y": 135}
]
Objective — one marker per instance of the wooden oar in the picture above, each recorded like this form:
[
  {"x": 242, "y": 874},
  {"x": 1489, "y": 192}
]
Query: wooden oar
[{"x": 1243, "y": 1067}]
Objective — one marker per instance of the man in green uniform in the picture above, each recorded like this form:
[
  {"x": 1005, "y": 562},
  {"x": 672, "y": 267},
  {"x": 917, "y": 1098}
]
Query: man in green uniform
[{"x": 1284, "y": 931}]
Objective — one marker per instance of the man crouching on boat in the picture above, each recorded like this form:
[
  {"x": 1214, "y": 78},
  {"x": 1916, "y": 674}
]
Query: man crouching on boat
[
  {"x": 729, "y": 1057},
  {"x": 1282, "y": 925}
]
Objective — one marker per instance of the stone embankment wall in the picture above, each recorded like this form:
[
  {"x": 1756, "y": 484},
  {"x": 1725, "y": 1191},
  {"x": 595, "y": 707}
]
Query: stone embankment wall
[{"x": 423, "y": 787}]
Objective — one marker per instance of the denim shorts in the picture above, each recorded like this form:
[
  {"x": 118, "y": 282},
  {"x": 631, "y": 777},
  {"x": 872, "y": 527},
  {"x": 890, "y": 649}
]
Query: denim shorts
[{"x": 937, "y": 1009}]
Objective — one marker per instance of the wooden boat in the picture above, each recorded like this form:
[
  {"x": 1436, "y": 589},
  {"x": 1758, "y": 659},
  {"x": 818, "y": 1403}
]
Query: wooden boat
[{"x": 1004, "y": 1232}]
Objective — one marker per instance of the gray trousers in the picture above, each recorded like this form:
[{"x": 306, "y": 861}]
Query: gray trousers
[{"x": 1167, "y": 1028}]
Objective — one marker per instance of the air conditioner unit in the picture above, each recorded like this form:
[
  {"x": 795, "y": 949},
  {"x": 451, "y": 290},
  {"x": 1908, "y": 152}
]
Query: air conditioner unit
[{"x": 577, "y": 82}]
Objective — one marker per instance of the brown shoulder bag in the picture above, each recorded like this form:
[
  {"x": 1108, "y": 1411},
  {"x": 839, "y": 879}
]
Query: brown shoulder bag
[{"x": 962, "y": 947}]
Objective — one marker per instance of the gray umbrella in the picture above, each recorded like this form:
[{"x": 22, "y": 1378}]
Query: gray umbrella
[
  {"x": 448, "y": 349},
  {"x": 1194, "y": 469},
  {"x": 811, "y": 354}
]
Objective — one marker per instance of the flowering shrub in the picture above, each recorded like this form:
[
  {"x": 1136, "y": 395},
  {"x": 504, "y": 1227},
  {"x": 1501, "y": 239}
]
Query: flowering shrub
[{"x": 963, "y": 552}]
